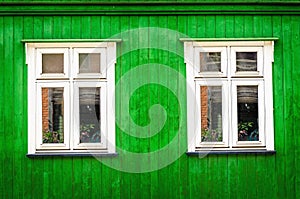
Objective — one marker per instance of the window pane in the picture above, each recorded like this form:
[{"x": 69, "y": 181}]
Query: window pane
[
  {"x": 210, "y": 61},
  {"x": 247, "y": 99},
  {"x": 52, "y": 63},
  {"x": 89, "y": 63},
  {"x": 246, "y": 61},
  {"x": 211, "y": 113},
  {"x": 53, "y": 115},
  {"x": 89, "y": 111}
]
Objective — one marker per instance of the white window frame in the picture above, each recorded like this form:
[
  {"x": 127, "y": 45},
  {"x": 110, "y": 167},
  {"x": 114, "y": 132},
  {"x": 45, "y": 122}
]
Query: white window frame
[
  {"x": 199, "y": 73},
  {"x": 258, "y": 50},
  {"x": 69, "y": 80},
  {"x": 39, "y": 54},
  {"x": 39, "y": 135},
  {"x": 223, "y": 84},
  {"x": 262, "y": 78},
  {"x": 261, "y": 112},
  {"x": 101, "y": 51},
  {"x": 103, "y": 127}
]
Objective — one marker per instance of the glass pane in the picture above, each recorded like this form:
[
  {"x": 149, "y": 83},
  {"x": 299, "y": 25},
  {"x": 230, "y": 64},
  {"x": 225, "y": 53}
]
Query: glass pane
[
  {"x": 89, "y": 63},
  {"x": 52, "y": 63},
  {"x": 247, "y": 99},
  {"x": 89, "y": 111},
  {"x": 210, "y": 61},
  {"x": 53, "y": 115},
  {"x": 211, "y": 113},
  {"x": 246, "y": 61}
]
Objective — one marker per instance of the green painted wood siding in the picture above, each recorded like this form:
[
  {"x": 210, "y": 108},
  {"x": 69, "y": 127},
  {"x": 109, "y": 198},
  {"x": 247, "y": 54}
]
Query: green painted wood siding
[{"x": 214, "y": 176}]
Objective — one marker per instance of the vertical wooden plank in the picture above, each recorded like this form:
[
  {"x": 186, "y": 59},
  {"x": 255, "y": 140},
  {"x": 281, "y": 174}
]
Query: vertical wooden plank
[
  {"x": 76, "y": 27},
  {"x": 248, "y": 29},
  {"x": 86, "y": 27},
  {"x": 229, "y": 26},
  {"x": 288, "y": 108},
  {"x": 163, "y": 100},
  {"x": 144, "y": 96},
  {"x": 66, "y": 27},
  {"x": 184, "y": 179},
  {"x": 48, "y": 27},
  {"x": 115, "y": 174},
  {"x": 278, "y": 85},
  {"x": 96, "y": 182},
  {"x": 239, "y": 26},
  {"x": 95, "y": 27},
  {"x": 296, "y": 98},
  {"x": 77, "y": 177},
  {"x": 124, "y": 66},
  {"x": 154, "y": 141},
  {"x": 27, "y": 170},
  {"x": 257, "y": 26},
  {"x": 86, "y": 177},
  {"x": 57, "y": 27},
  {"x": 220, "y": 26},
  {"x": 210, "y": 26},
  {"x": 105, "y": 31},
  {"x": 172, "y": 104},
  {"x": 134, "y": 107},
  {"x": 8, "y": 108},
  {"x": 232, "y": 167},
  {"x": 2, "y": 166},
  {"x": 18, "y": 101}
]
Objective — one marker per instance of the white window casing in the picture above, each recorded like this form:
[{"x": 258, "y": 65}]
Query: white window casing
[
  {"x": 103, "y": 126},
  {"x": 44, "y": 51},
  {"x": 230, "y": 79},
  {"x": 223, "y": 85},
  {"x": 70, "y": 80},
  {"x": 198, "y": 72},
  {"x": 102, "y": 66}
]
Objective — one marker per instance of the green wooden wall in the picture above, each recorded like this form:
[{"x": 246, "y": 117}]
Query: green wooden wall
[{"x": 214, "y": 176}]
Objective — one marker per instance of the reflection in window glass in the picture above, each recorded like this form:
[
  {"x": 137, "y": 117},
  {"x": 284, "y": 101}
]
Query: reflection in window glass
[
  {"x": 53, "y": 115},
  {"x": 210, "y": 61},
  {"x": 246, "y": 61},
  {"x": 211, "y": 113},
  {"x": 52, "y": 63},
  {"x": 89, "y": 63},
  {"x": 89, "y": 110},
  {"x": 247, "y": 106}
]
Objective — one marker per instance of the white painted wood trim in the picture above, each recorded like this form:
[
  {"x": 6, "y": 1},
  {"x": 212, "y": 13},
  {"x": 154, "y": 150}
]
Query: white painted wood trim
[
  {"x": 35, "y": 80},
  {"x": 224, "y": 85},
  {"x": 102, "y": 67},
  {"x": 261, "y": 112},
  {"x": 41, "y": 51},
  {"x": 260, "y": 58},
  {"x": 76, "y": 116},
  {"x": 197, "y": 64},
  {"x": 66, "y": 119},
  {"x": 263, "y": 78}
]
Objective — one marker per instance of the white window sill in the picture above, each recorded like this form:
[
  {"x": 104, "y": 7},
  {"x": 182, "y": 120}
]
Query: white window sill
[
  {"x": 228, "y": 152},
  {"x": 74, "y": 154}
]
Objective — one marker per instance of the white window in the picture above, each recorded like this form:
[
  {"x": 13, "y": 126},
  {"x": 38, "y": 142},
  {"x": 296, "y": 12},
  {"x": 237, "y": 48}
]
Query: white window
[
  {"x": 229, "y": 95},
  {"x": 70, "y": 97}
]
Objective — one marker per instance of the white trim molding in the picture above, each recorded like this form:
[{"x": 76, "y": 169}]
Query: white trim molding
[
  {"x": 229, "y": 79},
  {"x": 70, "y": 81}
]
